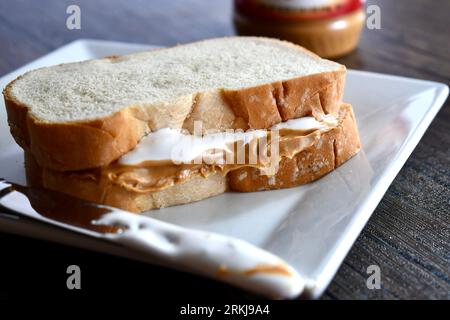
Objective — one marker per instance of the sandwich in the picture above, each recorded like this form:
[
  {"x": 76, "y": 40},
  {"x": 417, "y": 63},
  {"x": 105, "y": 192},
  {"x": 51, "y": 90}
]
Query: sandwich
[{"x": 173, "y": 126}]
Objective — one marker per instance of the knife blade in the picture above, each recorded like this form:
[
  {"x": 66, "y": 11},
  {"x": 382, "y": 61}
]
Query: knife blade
[{"x": 223, "y": 258}]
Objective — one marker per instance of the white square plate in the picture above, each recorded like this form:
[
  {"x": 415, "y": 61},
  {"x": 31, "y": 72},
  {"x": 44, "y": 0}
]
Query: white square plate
[{"x": 311, "y": 227}]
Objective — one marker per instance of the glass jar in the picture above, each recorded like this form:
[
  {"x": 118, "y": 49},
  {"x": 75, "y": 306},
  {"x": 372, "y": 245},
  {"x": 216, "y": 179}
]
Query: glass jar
[{"x": 330, "y": 28}]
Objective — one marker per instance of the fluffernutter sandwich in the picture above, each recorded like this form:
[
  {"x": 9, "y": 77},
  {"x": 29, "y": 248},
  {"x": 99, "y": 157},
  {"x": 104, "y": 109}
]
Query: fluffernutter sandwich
[{"x": 172, "y": 126}]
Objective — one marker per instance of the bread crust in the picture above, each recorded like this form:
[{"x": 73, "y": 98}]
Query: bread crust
[
  {"x": 79, "y": 145},
  {"x": 332, "y": 149}
]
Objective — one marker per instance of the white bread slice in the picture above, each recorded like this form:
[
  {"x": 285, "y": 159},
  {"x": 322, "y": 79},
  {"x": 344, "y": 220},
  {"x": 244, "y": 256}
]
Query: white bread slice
[
  {"x": 332, "y": 149},
  {"x": 87, "y": 114}
]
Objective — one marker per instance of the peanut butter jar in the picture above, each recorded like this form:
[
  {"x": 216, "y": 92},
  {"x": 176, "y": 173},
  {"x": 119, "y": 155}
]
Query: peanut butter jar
[{"x": 330, "y": 28}]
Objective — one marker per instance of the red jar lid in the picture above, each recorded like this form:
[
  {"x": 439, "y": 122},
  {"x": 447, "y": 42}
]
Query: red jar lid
[{"x": 291, "y": 11}]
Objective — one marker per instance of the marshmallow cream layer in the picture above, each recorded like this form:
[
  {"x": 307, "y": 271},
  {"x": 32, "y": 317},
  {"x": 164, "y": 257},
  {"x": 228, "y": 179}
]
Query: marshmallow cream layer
[
  {"x": 152, "y": 164},
  {"x": 172, "y": 145}
]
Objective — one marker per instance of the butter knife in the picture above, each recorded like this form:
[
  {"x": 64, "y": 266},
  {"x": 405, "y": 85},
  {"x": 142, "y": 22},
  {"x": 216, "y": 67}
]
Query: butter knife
[{"x": 217, "y": 256}]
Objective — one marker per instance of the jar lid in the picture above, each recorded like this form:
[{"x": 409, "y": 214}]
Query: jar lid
[{"x": 295, "y": 10}]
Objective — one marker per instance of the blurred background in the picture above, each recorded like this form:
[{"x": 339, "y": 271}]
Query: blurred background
[{"x": 413, "y": 32}]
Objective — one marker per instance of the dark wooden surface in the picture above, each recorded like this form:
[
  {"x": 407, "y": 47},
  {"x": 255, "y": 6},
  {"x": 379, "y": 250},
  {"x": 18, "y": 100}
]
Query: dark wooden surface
[{"x": 408, "y": 234}]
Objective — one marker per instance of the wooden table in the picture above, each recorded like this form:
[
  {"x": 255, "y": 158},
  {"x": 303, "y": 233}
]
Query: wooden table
[{"x": 408, "y": 234}]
